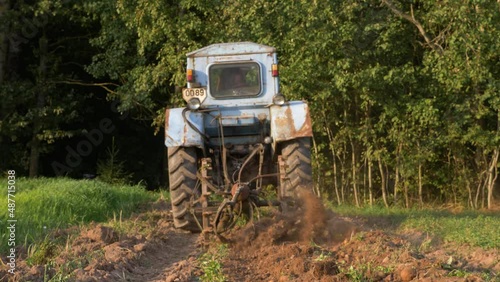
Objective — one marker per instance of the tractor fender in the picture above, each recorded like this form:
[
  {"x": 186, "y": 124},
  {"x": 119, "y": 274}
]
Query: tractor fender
[
  {"x": 177, "y": 130},
  {"x": 290, "y": 121}
]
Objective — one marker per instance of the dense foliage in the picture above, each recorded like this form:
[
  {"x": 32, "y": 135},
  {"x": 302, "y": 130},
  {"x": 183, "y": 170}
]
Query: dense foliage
[{"x": 404, "y": 94}]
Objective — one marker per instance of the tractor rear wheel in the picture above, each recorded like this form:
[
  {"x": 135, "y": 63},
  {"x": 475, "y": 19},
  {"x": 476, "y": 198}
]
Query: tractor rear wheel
[
  {"x": 182, "y": 168},
  {"x": 296, "y": 155}
]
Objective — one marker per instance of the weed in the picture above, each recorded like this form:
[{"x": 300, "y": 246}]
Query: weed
[
  {"x": 360, "y": 236},
  {"x": 269, "y": 192},
  {"x": 57, "y": 277},
  {"x": 211, "y": 265},
  {"x": 143, "y": 225},
  {"x": 425, "y": 246},
  {"x": 384, "y": 269},
  {"x": 39, "y": 254},
  {"x": 359, "y": 272},
  {"x": 355, "y": 274},
  {"x": 322, "y": 256},
  {"x": 65, "y": 271},
  {"x": 212, "y": 269},
  {"x": 488, "y": 276},
  {"x": 458, "y": 273}
]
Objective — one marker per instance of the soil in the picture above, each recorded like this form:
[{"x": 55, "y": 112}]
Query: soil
[{"x": 309, "y": 244}]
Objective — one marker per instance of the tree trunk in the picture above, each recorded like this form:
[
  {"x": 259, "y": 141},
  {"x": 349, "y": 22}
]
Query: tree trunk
[
  {"x": 335, "y": 180},
  {"x": 493, "y": 171},
  {"x": 334, "y": 162},
  {"x": 383, "y": 182},
  {"x": 40, "y": 104},
  {"x": 370, "y": 183},
  {"x": 469, "y": 189},
  {"x": 34, "y": 155},
  {"x": 407, "y": 197},
  {"x": 353, "y": 168},
  {"x": 4, "y": 46},
  {"x": 420, "y": 197},
  {"x": 343, "y": 174},
  {"x": 396, "y": 172},
  {"x": 492, "y": 177},
  {"x": 478, "y": 190}
]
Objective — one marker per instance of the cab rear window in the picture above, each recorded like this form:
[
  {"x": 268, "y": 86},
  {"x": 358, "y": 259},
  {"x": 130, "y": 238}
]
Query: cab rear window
[{"x": 234, "y": 80}]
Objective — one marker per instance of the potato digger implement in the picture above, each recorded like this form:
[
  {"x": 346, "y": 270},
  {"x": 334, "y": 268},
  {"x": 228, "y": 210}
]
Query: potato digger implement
[{"x": 236, "y": 137}]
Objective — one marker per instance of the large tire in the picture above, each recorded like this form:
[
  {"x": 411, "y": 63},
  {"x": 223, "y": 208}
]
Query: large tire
[
  {"x": 296, "y": 155},
  {"x": 182, "y": 168}
]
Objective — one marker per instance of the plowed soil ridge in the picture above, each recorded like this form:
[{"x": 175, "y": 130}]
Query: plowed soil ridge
[
  {"x": 314, "y": 244},
  {"x": 151, "y": 249},
  {"x": 308, "y": 243}
]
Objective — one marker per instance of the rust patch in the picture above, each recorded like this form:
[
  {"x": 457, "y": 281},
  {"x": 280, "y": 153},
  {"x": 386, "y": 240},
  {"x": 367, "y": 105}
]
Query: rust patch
[
  {"x": 244, "y": 191},
  {"x": 185, "y": 137},
  {"x": 289, "y": 122},
  {"x": 306, "y": 128}
]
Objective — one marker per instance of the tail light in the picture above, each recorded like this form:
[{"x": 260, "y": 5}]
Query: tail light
[
  {"x": 189, "y": 75},
  {"x": 275, "y": 70}
]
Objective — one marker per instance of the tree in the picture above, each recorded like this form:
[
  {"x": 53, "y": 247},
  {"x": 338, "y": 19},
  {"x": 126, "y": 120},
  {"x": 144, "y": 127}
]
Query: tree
[
  {"x": 34, "y": 107},
  {"x": 142, "y": 46},
  {"x": 411, "y": 88}
]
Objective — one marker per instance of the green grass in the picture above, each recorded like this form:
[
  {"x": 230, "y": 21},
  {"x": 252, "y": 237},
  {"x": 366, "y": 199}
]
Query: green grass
[
  {"x": 477, "y": 230},
  {"x": 45, "y": 204},
  {"x": 469, "y": 227}
]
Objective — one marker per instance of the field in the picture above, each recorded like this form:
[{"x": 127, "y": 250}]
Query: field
[
  {"x": 45, "y": 204},
  {"x": 91, "y": 231}
]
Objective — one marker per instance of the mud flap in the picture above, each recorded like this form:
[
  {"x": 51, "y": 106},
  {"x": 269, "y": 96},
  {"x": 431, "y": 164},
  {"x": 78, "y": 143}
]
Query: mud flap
[
  {"x": 290, "y": 121},
  {"x": 183, "y": 130}
]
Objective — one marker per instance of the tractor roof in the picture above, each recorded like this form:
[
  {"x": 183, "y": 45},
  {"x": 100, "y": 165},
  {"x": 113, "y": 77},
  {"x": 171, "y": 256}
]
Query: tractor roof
[{"x": 235, "y": 48}]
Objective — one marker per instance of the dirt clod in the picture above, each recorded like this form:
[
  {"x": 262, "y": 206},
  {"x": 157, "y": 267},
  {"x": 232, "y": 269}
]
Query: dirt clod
[
  {"x": 101, "y": 234},
  {"x": 407, "y": 273}
]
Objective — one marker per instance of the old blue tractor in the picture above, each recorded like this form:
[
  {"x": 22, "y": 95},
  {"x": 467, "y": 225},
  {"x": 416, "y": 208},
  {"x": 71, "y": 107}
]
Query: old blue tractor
[{"x": 236, "y": 136}]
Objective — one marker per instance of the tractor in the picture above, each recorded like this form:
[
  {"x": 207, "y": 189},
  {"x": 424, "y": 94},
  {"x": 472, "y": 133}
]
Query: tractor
[{"x": 236, "y": 137}]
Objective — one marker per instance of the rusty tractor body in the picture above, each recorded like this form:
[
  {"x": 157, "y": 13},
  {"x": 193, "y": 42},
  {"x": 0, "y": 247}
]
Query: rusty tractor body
[{"x": 236, "y": 136}]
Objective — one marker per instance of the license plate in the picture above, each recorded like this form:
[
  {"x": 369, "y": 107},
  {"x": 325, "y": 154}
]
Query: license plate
[{"x": 190, "y": 93}]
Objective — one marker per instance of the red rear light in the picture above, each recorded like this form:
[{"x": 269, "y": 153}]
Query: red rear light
[
  {"x": 189, "y": 75},
  {"x": 275, "y": 70}
]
